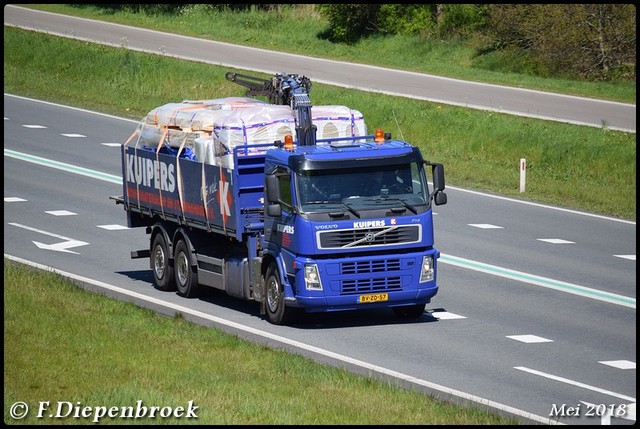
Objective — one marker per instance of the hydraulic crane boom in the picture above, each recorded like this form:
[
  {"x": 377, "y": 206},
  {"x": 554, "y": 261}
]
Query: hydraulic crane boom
[{"x": 287, "y": 90}]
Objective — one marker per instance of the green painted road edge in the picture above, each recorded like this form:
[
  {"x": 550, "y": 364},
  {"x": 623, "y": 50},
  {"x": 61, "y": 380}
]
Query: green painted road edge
[{"x": 539, "y": 281}]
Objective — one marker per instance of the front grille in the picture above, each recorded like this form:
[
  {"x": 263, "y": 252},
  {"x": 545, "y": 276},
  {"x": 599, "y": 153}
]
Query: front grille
[
  {"x": 369, "y": 237},
  {"x": 384, "y": 276},
  {"x": 386, "y": 284},
  {"x": 364, "y": 267}
]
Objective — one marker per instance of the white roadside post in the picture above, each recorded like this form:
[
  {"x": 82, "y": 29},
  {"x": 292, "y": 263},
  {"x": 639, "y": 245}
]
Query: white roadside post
[{"x": 523, "y": 173}]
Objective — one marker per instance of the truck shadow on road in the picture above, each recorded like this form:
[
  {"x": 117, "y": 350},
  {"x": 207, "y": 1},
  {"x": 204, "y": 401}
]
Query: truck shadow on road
[
  {"x": 330, "y": 320},
  {"x": 144, "y": 276},
  {"x": 356, "y": 318}
]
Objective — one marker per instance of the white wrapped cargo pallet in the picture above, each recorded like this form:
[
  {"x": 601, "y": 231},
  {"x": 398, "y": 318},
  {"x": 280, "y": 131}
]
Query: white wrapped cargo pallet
[
  {"x": 151, "y": 136},
  {"x": 211, "y": 129},
  {"x": 198, "y": 114},
  {"x": 256, "y": 125},
  {"x": 337, "y": 121},
  {"x": 181, "y": 124},
  {"x": 203, "y": 147},
  {"x": 268, "y": 123}
]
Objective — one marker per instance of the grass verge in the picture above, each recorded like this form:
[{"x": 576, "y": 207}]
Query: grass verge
[{"x": 64, "y": 344}]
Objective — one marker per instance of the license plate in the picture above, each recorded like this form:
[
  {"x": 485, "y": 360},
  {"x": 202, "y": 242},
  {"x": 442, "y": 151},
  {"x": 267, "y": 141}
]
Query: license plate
[{"x": 374, "y": 297}]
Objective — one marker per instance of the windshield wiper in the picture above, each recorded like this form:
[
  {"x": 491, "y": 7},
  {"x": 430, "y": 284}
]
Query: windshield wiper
[
  {"x": 404, "y": 203},
  {"x": 333, "y": 214},
  {"x": 352, "y": 210}
]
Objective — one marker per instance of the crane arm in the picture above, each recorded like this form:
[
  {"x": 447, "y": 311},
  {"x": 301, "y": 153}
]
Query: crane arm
[{"x": 287, "y": 90}]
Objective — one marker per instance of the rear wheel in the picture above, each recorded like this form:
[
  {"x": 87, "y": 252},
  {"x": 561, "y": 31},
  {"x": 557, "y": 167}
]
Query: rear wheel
[
  {"x": 409, "y": 311},
  {"x": 162, "y": 269},
  {"x": 277, "y": 312},
  {"x": 186, "y": 276}
]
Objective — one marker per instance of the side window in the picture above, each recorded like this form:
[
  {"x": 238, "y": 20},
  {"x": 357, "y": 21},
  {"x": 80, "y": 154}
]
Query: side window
[
  {"x": 285, "y": 189},
  {"x": 416, "y": 180},
  {"x": 283, "y": 176},
  {"x": 419, "y": 182}
]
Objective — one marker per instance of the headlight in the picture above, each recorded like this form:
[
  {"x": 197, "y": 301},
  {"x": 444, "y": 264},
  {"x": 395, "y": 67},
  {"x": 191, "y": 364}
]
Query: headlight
[
  {"x": 311, "y": 277},
  {"x": 426, "y": 272}
]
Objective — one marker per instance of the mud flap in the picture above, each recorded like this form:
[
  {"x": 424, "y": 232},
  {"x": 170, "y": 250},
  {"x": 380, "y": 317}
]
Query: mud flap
[{"x": 257, "y": 283}]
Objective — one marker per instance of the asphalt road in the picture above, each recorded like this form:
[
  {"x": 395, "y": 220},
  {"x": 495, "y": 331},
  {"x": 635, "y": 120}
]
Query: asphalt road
[
  {"x": 535, "y": 315},
  {"x": 515, "y": 101}
]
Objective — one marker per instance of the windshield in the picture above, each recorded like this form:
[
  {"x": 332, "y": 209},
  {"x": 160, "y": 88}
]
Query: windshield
[{"x": 365, "y": 188}]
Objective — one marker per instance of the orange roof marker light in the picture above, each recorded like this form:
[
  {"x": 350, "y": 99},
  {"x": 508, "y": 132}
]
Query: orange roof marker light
[
  {"x": 379, "y": 136},
  {"x": 288, "y": 142}
]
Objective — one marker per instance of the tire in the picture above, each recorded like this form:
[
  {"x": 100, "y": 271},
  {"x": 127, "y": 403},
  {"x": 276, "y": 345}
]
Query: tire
[
  {"x": 277, "y": 312},
  {"x": 186, "y": 276},
  {"x": 161, "y": 266},
  {"x": 410, "y": 311}
]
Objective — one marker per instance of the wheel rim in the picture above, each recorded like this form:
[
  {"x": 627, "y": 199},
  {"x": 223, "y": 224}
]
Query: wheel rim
[
  {"x": 182, "y": 268},
  {"x": 273, "y": 294},
  {"x": 159, "y": 262}
]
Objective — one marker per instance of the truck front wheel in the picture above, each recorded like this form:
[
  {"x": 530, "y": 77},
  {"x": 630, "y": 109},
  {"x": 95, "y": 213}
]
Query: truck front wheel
[
  {"x": 186, "y": 276},
  {"x": 162, "y": 269},
  {"x": 277, "y": 312}
]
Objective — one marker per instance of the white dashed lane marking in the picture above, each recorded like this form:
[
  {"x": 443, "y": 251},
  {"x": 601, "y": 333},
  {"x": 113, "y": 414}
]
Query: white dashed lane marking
[
  {"x": 112, "y": 227},
  {"x": 620, "y": 364},
  {"x": 445, "y": 315},
  {"x": 529, "y": 339},
  {"x": 555, "y": 241},
  {"x": 61, "y": 213},
  {"x": 484, "y": 226}
]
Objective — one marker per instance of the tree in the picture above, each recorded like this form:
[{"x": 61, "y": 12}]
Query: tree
[
  {"x": 350, "y": 22},
  {"x": 594, "y": 41}
]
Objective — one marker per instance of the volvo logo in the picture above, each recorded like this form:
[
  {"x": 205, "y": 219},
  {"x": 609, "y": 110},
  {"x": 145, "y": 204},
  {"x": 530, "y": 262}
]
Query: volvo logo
[{"x": 369, "y": 237}]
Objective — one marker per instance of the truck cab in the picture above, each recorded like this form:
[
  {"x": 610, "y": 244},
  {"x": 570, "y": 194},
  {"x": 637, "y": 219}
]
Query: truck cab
[{"x": 348, "y": 224}]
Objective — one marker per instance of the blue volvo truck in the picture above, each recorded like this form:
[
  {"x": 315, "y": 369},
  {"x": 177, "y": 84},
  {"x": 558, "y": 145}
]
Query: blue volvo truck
[{"x": 299, "y": 224}]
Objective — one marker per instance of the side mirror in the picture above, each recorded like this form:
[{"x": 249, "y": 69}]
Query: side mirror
[
  {"x": 438, "y": 177},
  {"x": 437, "y": 170},
  {"x": 272, "y": 193},
  {"x": 272, "y": 188}
]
